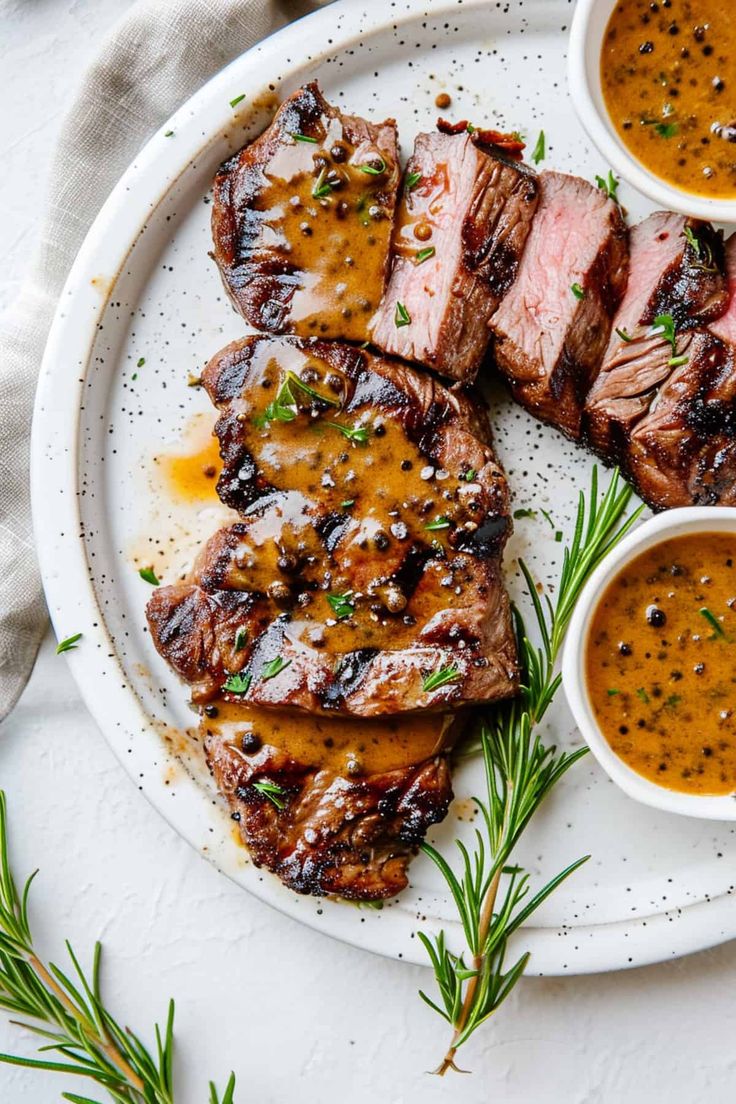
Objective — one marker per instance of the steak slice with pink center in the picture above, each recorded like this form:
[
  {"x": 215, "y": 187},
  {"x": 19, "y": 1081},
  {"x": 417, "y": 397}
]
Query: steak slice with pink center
[
  {"x": 461, "y": 228},
  {"x": 676, "y": 271},
  {"x": 552, "y": 327}
]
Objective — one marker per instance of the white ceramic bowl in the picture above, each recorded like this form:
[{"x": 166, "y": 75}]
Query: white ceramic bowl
[
  {"x": 672, "y": 523},
  {"x": 586, "y": 38}
]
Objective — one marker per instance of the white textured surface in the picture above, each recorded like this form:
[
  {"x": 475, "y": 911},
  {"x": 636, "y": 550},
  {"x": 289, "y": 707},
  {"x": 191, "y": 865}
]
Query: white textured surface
[{"x": 283, "y": 1006}]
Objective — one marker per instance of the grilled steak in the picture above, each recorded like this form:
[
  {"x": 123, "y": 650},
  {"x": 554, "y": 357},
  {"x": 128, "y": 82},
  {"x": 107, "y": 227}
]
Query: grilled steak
[
  {"x": 365, "y": 574},
  {"x": 325, "y": 825},
  {"x": 677, "y": 269},
  {"x": 683, "y": 451},
  {"x": 552, "y": 327},
  {"x": 302, "y": 220},
  {"x": 461, "y": 228}
]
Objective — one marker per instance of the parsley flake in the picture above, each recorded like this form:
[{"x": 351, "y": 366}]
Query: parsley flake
[
  {"x": 402, "y": 316},
  {"x": 149, "y": 576},
  {"x": 237, "y": 684},
  {"x": 237, "y": 100},
  {"x": 540, "y": 150},
  {"x": 577, "y": 291},
  {"x": 342, "y": 604},
  {"x": 69, "y": 644},
  {"x": 275, "y": 667}
]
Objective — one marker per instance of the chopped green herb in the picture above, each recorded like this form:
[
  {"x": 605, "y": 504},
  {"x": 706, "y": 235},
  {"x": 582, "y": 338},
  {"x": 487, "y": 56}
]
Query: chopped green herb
[
  {"x": 69, "y": 644},
  {"x": 469, "y": 475},
  {"x": 440, "y": 678},
  {"x": 608, "y": 185},
  {"x": 237, "y": 100},
  {"x": 134, "y": 376},
  {"x": 367, "y": 904},
  {"x": 348, "y": 502},
  {"x": 241, "y": 635},
  {"x": 673, "y": 701},
  {"x": 641, "y": 693},
  {"x": 664, "y": 324},
  {"x": 577, "y": 291},
  {"x": 149, "y": 576},
  {"x": 713, "y": 621},
  {"x": 294, "y": 379},
  {"x": 424, "y": 254},
  {"x": 342, "y": 604},
  {"x": 677, "y": 361},
  {"x": 357, "y": 434},
  {"x": 470, "y": 128},
  {"x": 321, "y": 187},
  {"x": 412, "y": 180},
  {"x": 272, "y": 791},
  {"x": 612, "y": 693},
  {"x": 402, "y": 317},
  {"x": 275, "y": 667},
  {"x": 168, "y": 134},
  {"x": 303, "y": 137},
  {"x": 526, "y": 512},
  {"x": 666, "y": 130},
  {"x": 540, "y": 150},
  {"x": 237, "y": 684},
  {"x": 141, "y": 362},
  {"x": 558, "y": 536},
  {"x": 624, "y": 335},
  {"x": 439, "y": 523},
  {"x": 548, "y": 518},
  {"x": 374, "y": 170}
]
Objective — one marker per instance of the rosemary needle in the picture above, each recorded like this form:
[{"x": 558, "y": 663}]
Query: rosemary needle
[
  {"x": 79, "y": 1035},
  {"x": 491, "y": 893}
]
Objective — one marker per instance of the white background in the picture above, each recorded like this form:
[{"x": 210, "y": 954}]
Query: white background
[{"x": 293, "y": 1013}]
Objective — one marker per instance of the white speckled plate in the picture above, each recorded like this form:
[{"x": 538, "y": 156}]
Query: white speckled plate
[{"x": 143, "y": 287}]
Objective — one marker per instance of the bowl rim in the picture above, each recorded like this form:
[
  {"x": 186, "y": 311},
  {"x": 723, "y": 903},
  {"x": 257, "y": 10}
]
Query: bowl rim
[
  {"x": 672, "y": 523},
  {"x": 603, "y": 135}
]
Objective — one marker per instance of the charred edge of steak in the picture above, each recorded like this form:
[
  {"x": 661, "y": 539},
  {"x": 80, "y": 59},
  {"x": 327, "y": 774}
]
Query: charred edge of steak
[
  {"x": 508, "y": 145},
  {"x": 333, "y": 836},
  {"x": 694, "y": 289},
  {"x": 683, "y": 451}
]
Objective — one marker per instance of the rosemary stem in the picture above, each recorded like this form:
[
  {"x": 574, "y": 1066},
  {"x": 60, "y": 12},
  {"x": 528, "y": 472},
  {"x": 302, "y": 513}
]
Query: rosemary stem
[
  {"x": 484, "y": 927},
  {"x": 94, "y": 1036}
]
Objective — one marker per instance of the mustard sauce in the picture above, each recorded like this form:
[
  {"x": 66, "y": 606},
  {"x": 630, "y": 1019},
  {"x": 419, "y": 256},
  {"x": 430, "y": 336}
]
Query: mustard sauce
[
  {"x": 661, "y": 664},
  {"x": 668, "y": 75}
]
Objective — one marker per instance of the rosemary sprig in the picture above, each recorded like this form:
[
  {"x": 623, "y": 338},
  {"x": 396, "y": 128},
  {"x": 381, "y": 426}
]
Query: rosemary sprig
[
  {"x": 81, "y": 1036},
  {"x": 491, "y": 893}
]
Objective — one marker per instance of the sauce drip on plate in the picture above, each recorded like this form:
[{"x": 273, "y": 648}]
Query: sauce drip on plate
[
  {"x": 661, "y": 664},
  {"x": 668, "y": 74}
]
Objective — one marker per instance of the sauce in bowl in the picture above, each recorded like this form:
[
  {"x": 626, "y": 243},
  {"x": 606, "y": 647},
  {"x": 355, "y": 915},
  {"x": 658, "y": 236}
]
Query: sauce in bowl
[
  {"x": 661, "y": 664},
  {"x": 668, "y": 76}
]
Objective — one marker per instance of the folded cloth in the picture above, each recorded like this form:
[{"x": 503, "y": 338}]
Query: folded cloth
[{"x": 158, "y": 55}]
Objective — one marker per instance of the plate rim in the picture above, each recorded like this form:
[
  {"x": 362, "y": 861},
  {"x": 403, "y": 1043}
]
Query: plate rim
[{"x": 55, "y": 481}]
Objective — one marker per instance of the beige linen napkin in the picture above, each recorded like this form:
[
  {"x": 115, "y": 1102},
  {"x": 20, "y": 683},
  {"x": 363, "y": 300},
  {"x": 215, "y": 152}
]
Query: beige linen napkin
[{"x": 157, "y": 56}]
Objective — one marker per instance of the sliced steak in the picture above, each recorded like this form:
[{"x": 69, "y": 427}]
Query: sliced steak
[
  {"x": 302, "y": 220},
  {"x": 683, "y": 451},
  {"x": 677, "y": 269},
  {"x": 461, "y": 228},
  {"x": 367, "y": 564},
  {"x": 331, "y": 807},
  {"x": 552, "y": 327}
]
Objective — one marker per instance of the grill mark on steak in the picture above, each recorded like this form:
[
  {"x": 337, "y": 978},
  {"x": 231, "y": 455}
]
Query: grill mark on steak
[
  {"x": 683, "y": 450},
  {"x": 416, "y": 548},
  {"x": 474, "y": 207},
  {"x": 668, "y": 276},
  {"x": 301, "y": 227},
  {"x": 352, "y": 837},
  {"x": 547, "y": 342}
]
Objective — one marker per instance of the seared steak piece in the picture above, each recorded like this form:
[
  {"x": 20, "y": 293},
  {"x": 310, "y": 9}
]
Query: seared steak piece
[
  {"x": 677, "y": 270},
  {"x": 302, "y": 220},
  {"x": 552, "y": 327},
  {"x": 683, "y": 451},
  {"x": 461, "y": 228},
  {"x": 365, "y": 575},
  {"x": 331, "y": 807}
]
